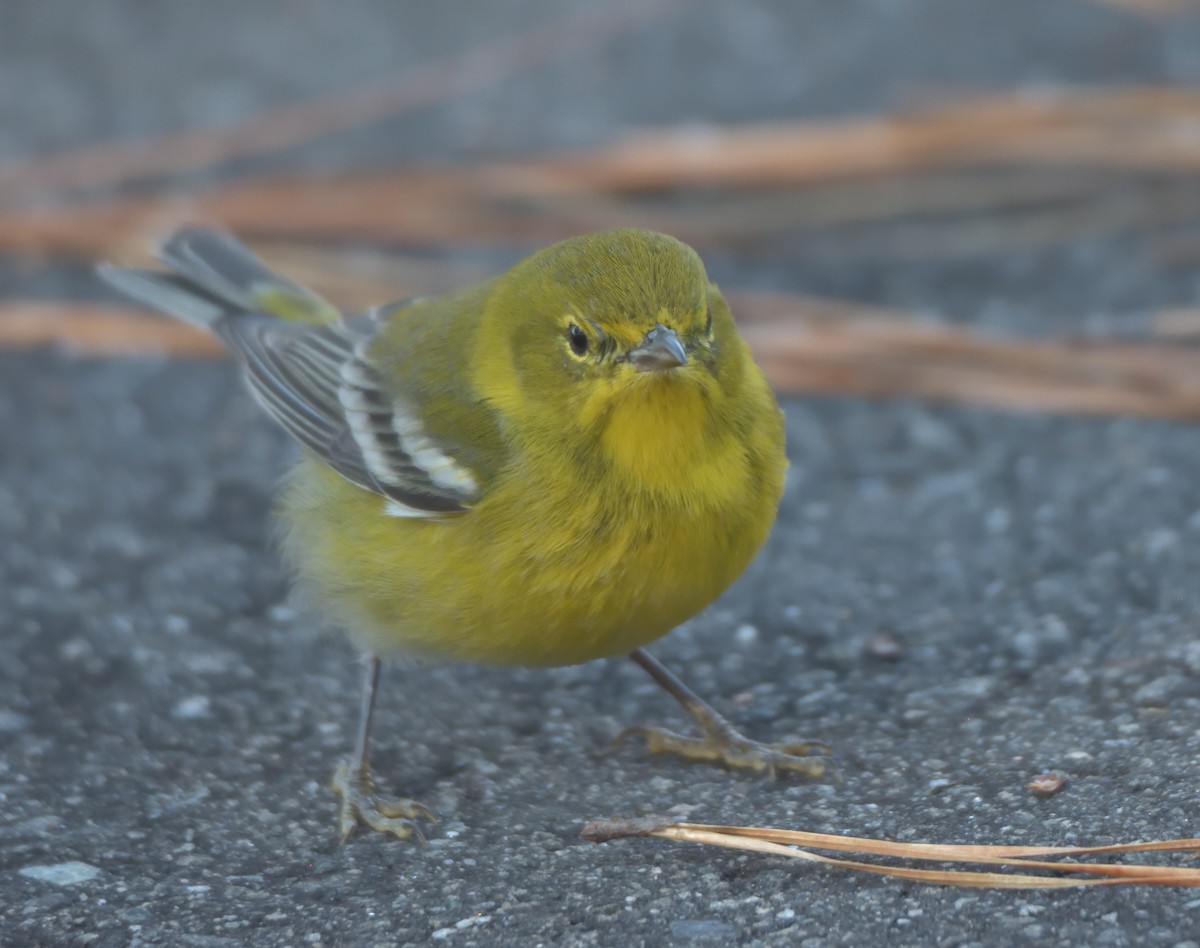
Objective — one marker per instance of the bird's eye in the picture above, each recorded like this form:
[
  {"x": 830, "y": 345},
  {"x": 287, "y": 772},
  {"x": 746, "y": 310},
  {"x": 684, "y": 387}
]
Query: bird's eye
[{"x": 577, "y": 339}]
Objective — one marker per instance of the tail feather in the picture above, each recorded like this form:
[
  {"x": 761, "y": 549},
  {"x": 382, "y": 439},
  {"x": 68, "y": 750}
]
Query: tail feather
[
  {"x": 167, "y": 292},
  {"x": 213, "y": 275},
  {"x": 222, "y": 265}
]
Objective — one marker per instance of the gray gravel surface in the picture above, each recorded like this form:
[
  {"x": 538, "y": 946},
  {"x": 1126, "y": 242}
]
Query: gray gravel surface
[{"x": 956, "y": 599}]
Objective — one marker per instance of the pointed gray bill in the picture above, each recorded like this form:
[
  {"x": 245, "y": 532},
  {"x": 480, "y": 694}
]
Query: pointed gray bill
[{"x": 661, "y": 350}]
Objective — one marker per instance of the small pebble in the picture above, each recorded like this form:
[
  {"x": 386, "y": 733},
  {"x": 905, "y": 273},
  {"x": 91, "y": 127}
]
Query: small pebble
[
  {"x": 197, "y": 706},
  {"x": 1046, "y": 785},
  {"x": 11, "y": 721},
  {"x": 63, "y": 873},
  {"x": 745, "y": 634}
]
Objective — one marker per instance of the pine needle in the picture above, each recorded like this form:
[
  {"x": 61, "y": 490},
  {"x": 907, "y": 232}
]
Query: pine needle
[
  {"x": 1055, "y": 159},
  {"x": 427, "y": 85},
  {"x": 1070, "y": 873},
  {"x": 806, "y": 346},
  {"x": 1151, "y": 9},
  {"x": 91, "y": 329}
]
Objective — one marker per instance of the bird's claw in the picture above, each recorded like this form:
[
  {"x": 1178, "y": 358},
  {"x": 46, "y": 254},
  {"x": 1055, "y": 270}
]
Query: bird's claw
[
  {"x": 396, "y": 816},
  {"x": 724, "y": 745}
]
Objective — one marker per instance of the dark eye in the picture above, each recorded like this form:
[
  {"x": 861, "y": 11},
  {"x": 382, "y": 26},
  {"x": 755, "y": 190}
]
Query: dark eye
[{"x": 577, "y": 339}]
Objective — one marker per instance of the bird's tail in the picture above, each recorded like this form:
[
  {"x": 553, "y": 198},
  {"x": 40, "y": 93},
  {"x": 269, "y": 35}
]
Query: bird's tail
[{"x": 213, "y": 276}]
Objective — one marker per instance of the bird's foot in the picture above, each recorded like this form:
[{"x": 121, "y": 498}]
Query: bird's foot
[
  {"x": 361, "y": 804},
  {"x": 721, "y": 743}
]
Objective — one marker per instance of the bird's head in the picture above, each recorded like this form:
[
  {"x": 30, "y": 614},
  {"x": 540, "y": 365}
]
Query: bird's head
[{"x": 622, "y": 324}]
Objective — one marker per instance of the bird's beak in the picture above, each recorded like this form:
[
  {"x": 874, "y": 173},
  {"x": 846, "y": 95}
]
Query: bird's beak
[{"x": 661, "y": 350}]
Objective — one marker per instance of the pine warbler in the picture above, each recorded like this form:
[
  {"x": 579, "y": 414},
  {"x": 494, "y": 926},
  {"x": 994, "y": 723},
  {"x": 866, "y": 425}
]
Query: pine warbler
[{"x": 557, "y": 465}]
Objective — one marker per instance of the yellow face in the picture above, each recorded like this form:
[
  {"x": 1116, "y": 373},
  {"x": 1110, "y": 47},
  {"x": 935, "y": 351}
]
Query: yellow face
[
  {"x": 617, "y": 345},
  {"x": 616, "y": 312}
]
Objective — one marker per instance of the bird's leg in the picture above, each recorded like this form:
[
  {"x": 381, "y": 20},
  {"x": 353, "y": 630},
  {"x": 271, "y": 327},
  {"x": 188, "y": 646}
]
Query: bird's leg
[
  {"x": 354, "y": 783},
  {"x": 720, "y": 742}
]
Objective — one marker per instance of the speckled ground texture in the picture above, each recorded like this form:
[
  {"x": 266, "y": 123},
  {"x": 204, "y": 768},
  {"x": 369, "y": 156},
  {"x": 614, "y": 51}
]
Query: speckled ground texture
[{"x": 957, "y": 599}]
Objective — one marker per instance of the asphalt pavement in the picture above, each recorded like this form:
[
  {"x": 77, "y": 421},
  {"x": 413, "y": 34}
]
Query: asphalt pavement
[{"x": 957, "y": 599}]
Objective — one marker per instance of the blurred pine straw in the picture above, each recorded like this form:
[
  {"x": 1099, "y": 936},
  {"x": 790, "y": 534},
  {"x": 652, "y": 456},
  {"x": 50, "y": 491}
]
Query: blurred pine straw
[
  {"x": 1152, "y": 8},
  {"x": 777, "y": 842},
  {"x": 805, "y": 346},
  {"x": 430, "y": 84},
  {"x": 1009, "y": 172},
  {"x": 1058, "y": 165}
]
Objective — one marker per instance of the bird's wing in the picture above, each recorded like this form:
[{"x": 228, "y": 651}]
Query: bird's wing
[{"x": 313, "y": 376}]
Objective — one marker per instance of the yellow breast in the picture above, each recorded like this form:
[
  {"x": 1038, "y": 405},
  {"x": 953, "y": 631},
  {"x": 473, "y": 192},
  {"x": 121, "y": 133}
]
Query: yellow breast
[{"x": 561, "y": 562}]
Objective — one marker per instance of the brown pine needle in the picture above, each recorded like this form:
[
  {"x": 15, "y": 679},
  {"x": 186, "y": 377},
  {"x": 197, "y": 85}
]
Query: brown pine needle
[
  {"x": 1154, "y": 9},
  {"x": 1098, "y": 134},
  {"x": 783, "y": 842},
  {"x": 424, "y": 86},
  {"x": 805, "y": 346},
  {"x": 810, "y": 346},
  {"x": 1181, "y": 323},
  {"x": 90, "y": 329},
  {"x": 1130, "y": 127}
]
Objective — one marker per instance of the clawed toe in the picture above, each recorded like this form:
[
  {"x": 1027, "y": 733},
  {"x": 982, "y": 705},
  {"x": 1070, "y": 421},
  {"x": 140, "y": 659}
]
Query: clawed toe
[
  {"x": 395, "y": 816},
  {"x": 720, "y": 742},
  {"x": 727, "y": 747}
]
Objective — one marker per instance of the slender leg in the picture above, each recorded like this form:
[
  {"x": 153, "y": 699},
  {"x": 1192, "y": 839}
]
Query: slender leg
[
  {"x": 720, "y": 742},
  {"x": 354, "y": 783}
]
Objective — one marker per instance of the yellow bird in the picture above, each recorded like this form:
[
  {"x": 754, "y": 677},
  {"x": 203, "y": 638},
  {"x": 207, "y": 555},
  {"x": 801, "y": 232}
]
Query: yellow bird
[{"x": 557, "y": 465}]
